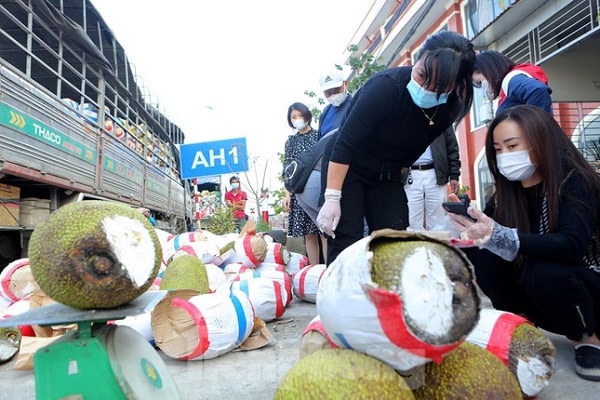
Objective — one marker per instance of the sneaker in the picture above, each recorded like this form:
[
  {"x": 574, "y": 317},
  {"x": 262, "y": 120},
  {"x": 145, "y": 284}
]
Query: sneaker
[{"x": 587, "y": 362}]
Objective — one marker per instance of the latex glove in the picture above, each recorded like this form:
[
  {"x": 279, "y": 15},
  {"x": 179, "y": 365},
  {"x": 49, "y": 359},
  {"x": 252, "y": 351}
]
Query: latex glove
[
  {"x": 330, "y": 213},
  {"x": 488, "y": 234}
]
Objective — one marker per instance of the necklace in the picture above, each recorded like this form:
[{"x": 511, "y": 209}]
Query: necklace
[{"x": 428, "y": 117}]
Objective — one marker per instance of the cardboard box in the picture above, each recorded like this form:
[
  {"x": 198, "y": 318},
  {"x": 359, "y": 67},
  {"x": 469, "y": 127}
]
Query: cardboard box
[
  {"x": 9, "y": 205},
  {"x": 8, "y": 192},
  {"x": 34, "y": 211}
]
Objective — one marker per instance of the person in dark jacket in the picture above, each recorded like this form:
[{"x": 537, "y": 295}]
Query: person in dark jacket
[
  {"x": 428, "y": 180},
  {"x": 537, "y": 250},
  {"x": 512, "y": 84},
  {"x": 335, "y": 89},
  {"x": 393, "y": 118}
]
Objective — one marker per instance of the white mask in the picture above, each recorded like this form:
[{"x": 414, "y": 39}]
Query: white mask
[
  {"x": 337, "y": 99},
  {"x": 516, "y": 165},
  {"x": 299, "y": 124}
]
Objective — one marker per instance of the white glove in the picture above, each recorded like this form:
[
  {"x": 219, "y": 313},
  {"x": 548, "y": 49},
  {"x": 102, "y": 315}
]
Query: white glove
[{"x": 330, "y": 212}]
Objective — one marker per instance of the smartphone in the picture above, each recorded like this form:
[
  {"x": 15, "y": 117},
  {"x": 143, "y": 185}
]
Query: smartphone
[{"x": 457, "y": 208}]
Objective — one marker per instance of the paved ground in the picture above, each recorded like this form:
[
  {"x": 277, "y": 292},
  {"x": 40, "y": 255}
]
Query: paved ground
[{"x": 255, "y": 374}]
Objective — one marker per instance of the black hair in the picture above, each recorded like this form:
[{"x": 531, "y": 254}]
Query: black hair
[
  {"x": 556, "y": 156},
  {"x": 306, "y": 114},
  {"x": 448, "y": 61},
  {"x": 494, "y": 66},
  {"x": 233, "y": 178}
]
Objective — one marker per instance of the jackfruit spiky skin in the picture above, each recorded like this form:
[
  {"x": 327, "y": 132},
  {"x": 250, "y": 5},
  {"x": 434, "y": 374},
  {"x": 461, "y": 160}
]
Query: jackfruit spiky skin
[
  {"x": 469, "y": 372},
  {"x": 185, "y": 272},
  {"x": 341, "y": 374},
  {"x": 95, "y": 254},
  {"x": 390, "y": 257}
]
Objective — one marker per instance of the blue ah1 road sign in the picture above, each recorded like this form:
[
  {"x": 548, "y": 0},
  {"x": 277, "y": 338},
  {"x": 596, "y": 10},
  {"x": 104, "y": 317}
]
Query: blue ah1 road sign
[{"x": 213, "y": 158}]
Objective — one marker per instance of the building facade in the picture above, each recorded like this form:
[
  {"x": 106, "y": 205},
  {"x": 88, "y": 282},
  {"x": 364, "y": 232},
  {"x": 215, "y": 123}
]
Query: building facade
[{"x": 561, "y": 36}]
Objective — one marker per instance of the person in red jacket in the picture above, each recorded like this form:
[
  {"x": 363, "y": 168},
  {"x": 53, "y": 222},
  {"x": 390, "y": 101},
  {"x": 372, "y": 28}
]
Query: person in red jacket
[
  {"x": 512, "y": 84},
  {"x": 236, "y": 201}
]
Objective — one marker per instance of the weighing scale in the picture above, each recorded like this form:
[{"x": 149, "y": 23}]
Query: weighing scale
[{"x": 98, "y": 360}]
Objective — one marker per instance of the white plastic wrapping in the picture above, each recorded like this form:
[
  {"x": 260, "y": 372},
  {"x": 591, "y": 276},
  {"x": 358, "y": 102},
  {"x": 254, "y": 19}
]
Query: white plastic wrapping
[
  {"x": 494, "y": 332},
  {"x": 306, "y": 282},
  {"x": 357, "y": 314}
]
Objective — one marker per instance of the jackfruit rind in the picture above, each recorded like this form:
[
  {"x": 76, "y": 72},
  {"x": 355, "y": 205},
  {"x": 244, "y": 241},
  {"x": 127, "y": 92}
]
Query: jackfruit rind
[
  {"x": 10, "y": 340},
  {"x": 468, "y": 372},
  {"x": 531, "y": 357},
  {"x": 95, "y": 254},
  {"x": 185, "y": 272},
  {"x": 341, "y": 374}
]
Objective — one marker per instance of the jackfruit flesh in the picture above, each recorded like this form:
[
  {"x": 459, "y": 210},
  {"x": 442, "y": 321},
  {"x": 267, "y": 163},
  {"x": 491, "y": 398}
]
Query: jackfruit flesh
[
  {"x": 341, "y": 374},
  {"x": 95, "y": 254},
  {"x": 435, "y": 281}
]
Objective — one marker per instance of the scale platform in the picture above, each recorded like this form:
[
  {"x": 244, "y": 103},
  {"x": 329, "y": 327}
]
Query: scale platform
[
  {"x": 98, "y": 361},
  {"x": 60, "y": 314}
]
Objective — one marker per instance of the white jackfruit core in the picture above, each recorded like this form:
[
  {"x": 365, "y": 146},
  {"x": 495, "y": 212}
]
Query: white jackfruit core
[
  {"x": 427, "y": 292},
  {"x": 133, "y": 246}
]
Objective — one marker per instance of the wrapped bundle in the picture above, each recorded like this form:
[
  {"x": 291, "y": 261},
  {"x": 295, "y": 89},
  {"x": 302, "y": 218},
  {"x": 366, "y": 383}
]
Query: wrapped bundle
[
  {"x": 297, "y": 262},
  {"x": 250, "y": 250},
  {"x": 277, "y": 253},
  {"x": 174, "y": 242},
  {"x": 306, "y": 282},
  {"x": 18, "y": 307},
  {"x": 216, "y": 276},
  {"x": 206, "y": 251},
  {"x": 402, "y": 297},
  {"x": 281, "y": 276},
  {"x": 268, "y": 296},
  {"x": 527, "y": 352},
  {"x": 141, "y": 323},
  {"x": 233, "y": 269},
  {"x": 191, "y": 326},
  {"x": 16, "y": 280},
  {"x": 314, "y": 337}
]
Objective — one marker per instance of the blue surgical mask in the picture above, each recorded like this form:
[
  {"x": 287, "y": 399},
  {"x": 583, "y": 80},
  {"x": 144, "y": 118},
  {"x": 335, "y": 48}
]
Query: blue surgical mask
[
  {"x": 423, "y": 97},
  {"x": 235, "y": 185}
]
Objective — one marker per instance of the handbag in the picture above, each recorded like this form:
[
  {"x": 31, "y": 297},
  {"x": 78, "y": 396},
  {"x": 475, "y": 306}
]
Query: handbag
[{"x": 297, "y": 171}]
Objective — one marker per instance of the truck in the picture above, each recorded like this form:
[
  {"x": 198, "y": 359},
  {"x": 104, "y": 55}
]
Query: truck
[{"x": 76, "y": 125}]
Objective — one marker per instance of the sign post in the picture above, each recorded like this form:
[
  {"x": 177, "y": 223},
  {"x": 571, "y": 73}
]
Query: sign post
[{"x": 213, "y": 158}]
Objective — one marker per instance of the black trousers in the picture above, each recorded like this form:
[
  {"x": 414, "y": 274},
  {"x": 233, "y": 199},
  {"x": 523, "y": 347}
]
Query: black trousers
[
  {"x": 561, "y": 298},
  {"x": 380, "y": 202}
]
